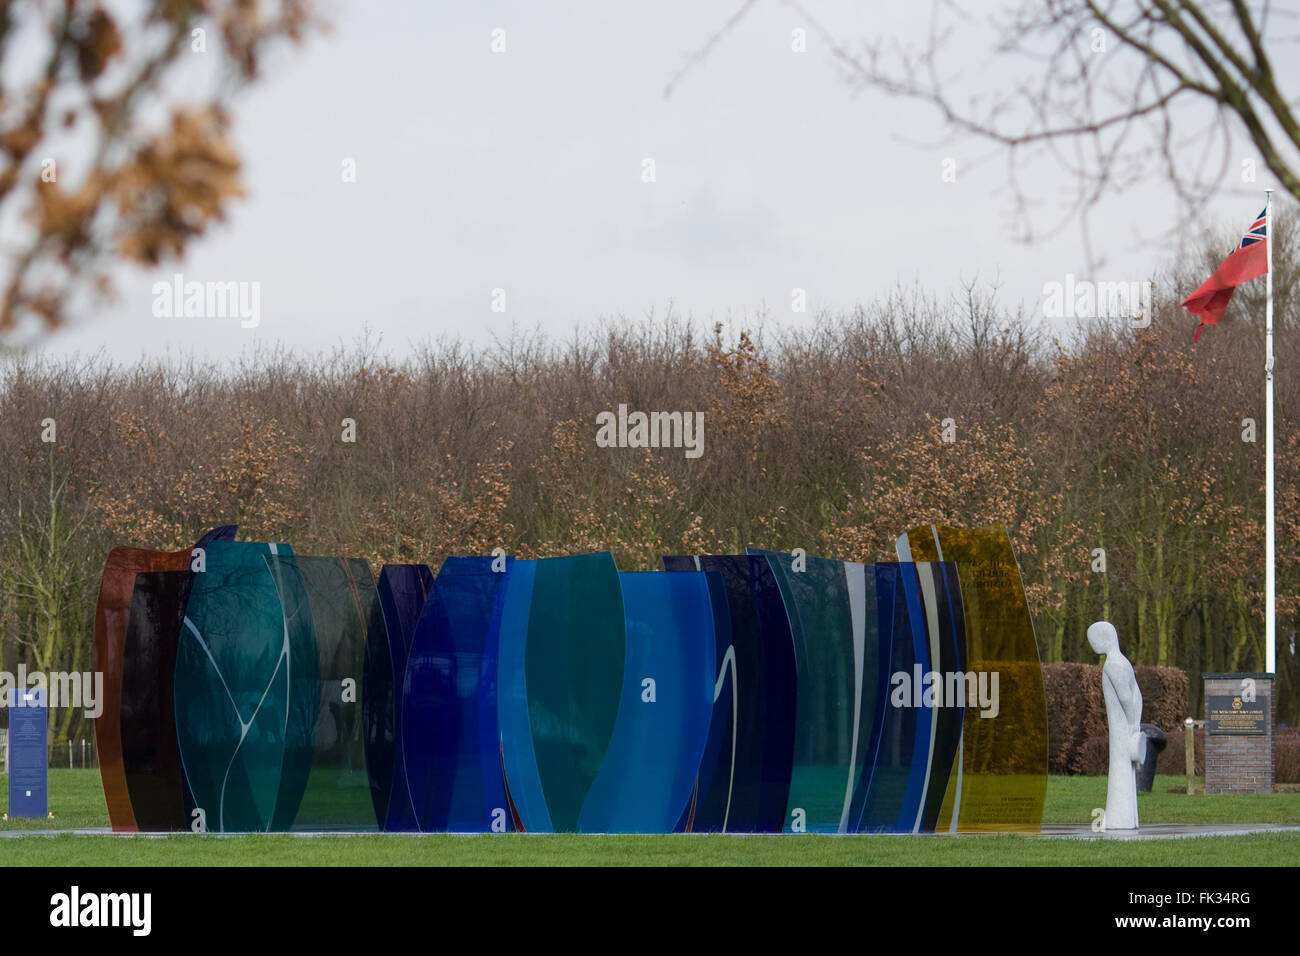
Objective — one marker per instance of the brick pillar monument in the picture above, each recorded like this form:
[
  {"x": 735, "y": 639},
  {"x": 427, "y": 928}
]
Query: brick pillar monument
[{"x": 1239, "y": 721}]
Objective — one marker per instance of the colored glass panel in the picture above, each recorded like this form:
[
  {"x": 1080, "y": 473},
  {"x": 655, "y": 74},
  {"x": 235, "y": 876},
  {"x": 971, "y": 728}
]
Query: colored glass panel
[
  {"x": 451, "y": 741},
  {"x": 893, "y": 796},
  {"x": 653, "y": 759},
  {"x": 747, "y": 789},
  {"x": 573, "y": 648},
  {"x": 401, "y": 590},
  {"x": 151, "y": 760},
  {"x": 833, "y": 625},
  {"x": 1002, "y": 781},
  {"x": 340, "y": 593},
  {"x": 518, "y": 757},
  {"x": 233, "y": 695},
  {"x": 112, "y": 611}
]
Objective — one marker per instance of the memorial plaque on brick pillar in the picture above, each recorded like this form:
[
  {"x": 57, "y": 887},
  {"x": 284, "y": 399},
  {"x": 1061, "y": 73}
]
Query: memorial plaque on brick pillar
[{"x": 1239, "y": 718}]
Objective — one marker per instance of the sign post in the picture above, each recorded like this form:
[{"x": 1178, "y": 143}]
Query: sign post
[
  {"x": 28, "y": 759},
  {"x": 1239, "y": 733}
]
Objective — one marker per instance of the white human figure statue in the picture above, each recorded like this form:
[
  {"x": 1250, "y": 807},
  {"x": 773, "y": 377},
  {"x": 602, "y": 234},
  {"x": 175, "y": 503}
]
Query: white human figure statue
[{"x": 1124, "y": 717}]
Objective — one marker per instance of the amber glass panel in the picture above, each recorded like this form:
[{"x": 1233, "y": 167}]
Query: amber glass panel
[{"x": 1002, "y": 782}]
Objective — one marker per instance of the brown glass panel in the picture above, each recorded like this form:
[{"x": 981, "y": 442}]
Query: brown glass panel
[
  {"x": 1002, "y": 783},
  {"x": 150, "y": 756},
  {"x": 112, "y": 612}
]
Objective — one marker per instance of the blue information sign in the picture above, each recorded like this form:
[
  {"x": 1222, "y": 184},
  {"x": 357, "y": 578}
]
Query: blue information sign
[{"x": 28, "y": 774}]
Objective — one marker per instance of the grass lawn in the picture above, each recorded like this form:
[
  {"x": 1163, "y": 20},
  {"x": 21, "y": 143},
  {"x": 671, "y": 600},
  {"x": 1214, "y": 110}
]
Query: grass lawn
[{"x": 77, "y": 800}]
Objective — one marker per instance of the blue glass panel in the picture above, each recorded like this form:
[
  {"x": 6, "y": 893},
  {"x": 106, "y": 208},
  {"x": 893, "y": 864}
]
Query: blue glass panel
[
  {"x": 450, "y": 735},
  {"x": 650, "y": 768},
  {"x": 402, "y": 590},
  {"x": 519, "y": 761}
]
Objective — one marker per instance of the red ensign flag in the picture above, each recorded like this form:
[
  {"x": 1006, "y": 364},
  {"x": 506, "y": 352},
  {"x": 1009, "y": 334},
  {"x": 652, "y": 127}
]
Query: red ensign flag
[{"x": 1248, "y": 261}]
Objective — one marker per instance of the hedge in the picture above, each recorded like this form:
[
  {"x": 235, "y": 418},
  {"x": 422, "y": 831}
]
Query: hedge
[{"x": 1076, "y": 710}]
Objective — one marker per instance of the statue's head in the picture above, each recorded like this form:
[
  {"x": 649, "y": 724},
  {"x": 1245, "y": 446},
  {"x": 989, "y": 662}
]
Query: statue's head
[{"x": 1102, "y": 637}]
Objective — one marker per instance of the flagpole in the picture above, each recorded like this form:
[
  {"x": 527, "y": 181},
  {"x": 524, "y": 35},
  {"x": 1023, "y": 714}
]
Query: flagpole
[{"x": 1270, "y": 578}]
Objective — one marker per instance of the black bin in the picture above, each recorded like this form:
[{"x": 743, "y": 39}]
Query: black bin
[{"x": 1146, "y": 773}]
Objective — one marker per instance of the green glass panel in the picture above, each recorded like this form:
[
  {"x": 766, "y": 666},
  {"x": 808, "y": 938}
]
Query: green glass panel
[{"x": 574, "y": 670}]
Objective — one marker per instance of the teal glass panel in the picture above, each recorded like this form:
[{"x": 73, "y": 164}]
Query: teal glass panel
[
  {"x": 832, "y": 616},
  {"x": 233, "y": 699},
  {"x": 573, "y": 671},
  {"x": 650, "y": 768},
  {"x": 341, "y": 596}
]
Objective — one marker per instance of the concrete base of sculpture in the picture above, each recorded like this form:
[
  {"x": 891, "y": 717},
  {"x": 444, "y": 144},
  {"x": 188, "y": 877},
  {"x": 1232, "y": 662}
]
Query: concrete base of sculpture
[{"x": 1124, "y": 718}]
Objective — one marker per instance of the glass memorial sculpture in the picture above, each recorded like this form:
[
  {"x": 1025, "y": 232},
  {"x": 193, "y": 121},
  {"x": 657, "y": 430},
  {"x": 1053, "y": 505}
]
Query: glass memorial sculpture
[
  {"x": 946, "y": 630},
  {"x": 450, "y": 737},
  {"x": 921, "y": 652},
  {"x": 744, "y": 780},
  {"x": 117, "y": 585},
  {"x": 833, "y": 626},
  {"x": 402, "y": 590},
  {"x": 151, "y": 762},
  {"x": 243, "y": 701},
  {"x": 645, "y": 781},
  {"x": 330, "y": 785},
  {"x": 1001, "y": 780},
  {"x": 562, "y": 648}
]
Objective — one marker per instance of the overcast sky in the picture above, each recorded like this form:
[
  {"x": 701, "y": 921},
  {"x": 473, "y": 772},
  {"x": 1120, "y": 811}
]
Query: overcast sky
[{"x": 523, "y": 171}]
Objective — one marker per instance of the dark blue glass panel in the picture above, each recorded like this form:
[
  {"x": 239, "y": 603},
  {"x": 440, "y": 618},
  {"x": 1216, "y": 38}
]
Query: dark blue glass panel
[
  {"x": 760, "y": 673},
  {"x": 897, "y": 785},
  {"x": 402, "y": 590},
  {"x": 941, "y": 592},
  {"x": 450, "y": 736},
  {"x": 884, "y": 580},
  {"x": 709, "y": 805},
  {"x": 919, "y": 768},
  {"x": 649, "y": 771}
]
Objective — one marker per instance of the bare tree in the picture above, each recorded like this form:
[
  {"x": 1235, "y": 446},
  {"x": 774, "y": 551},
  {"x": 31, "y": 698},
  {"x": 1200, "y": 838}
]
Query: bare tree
[{"x": 1113, "y": 90}]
